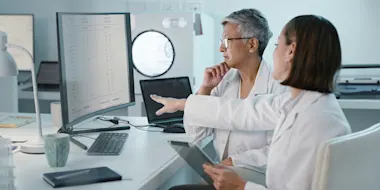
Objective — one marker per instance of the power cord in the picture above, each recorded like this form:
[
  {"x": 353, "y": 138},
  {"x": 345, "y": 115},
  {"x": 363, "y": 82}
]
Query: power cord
[
  {"x": 139, "y": 127},
  {"x": 117, "y": 121}
]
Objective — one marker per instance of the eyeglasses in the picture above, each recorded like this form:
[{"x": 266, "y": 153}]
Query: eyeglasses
[{"x": 224, "y": 41}]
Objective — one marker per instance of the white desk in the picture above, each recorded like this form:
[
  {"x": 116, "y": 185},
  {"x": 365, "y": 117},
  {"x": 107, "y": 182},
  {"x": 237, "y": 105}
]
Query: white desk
[{"x": 146, "y": 158}]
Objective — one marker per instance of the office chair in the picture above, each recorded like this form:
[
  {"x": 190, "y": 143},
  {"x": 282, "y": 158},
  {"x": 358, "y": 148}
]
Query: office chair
[{"x": 349, "y": 162}]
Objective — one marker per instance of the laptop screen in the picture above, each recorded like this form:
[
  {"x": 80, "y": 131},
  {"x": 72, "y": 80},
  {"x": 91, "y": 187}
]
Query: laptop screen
[
  {"x": 48, "y": 73},
  {"x": 169, "y": 87}
]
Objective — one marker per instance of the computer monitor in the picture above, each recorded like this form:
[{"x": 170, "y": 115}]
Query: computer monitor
[
  {"x": 95, "y": 65},
  {"x": 20, "y": 30},
  {"x": 48, "y": 73}
]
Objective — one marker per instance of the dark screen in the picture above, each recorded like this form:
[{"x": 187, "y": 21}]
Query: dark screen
[
  {"x": 170, "y": 87},
  {"x": 48, "y": 73}
]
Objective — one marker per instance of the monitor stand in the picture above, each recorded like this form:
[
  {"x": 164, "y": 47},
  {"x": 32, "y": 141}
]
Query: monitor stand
[{"x": 99, "y": 130}]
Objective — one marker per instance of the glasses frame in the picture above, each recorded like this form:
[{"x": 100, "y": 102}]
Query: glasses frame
[{"x": 224, "y": 41}]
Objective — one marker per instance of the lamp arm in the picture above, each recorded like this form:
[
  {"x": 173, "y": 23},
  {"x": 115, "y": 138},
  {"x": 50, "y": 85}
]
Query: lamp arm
[{"x": 35, "y": 90}]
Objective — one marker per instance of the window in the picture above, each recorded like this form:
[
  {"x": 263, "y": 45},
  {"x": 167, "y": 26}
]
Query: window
[{"x": 152, "y": 53}]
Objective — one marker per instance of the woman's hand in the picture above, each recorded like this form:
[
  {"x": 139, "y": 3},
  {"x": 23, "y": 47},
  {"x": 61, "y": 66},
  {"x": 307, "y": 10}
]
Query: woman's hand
[
  {"x": 227, "y": 162},
  {"x": 170, "y": 105},
  {"x": 224, "y": 178},
  {"x": 213, "y": 75}
]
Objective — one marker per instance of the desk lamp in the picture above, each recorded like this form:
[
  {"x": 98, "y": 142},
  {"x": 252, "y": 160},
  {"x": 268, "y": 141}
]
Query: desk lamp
[{"x": 8, "y": 68}]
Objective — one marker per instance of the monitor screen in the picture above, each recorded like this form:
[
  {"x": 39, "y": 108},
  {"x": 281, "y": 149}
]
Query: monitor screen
[
  {"x": 19, "y": 29},
  {"x": 48, "y": 73},
  {"x": 95, "y": 64},
  {"x": 170, "y": 87}
]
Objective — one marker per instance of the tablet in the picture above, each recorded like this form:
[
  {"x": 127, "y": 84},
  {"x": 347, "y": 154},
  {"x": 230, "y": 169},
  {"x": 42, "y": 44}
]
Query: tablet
[{"x": 194, "y": 156}]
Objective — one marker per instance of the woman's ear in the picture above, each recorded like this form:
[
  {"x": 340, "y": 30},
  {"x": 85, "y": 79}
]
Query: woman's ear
[
  {"x": 253, "y": 45},
  {"x": 291, "y": 51}
]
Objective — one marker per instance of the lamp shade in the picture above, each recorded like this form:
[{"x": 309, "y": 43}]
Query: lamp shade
[{"x": 8, "y": 65}]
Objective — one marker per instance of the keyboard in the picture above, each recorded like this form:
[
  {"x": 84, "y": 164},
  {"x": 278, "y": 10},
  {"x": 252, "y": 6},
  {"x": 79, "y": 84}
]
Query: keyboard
[{"x": 108, "y": 144}]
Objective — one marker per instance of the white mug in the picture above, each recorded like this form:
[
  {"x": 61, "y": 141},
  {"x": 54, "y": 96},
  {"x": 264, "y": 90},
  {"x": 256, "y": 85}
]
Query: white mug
[{"x": 56, "y": 114}]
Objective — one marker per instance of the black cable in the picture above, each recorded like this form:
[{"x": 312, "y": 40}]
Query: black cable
[
  {"x": 117, "y": 120},
  {"x": 139, "y": 126}
]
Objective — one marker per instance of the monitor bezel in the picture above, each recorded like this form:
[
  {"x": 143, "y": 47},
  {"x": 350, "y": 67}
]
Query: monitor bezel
[
  {"x": 33, "y": 35},
  {"x": 68, "y": 126}
]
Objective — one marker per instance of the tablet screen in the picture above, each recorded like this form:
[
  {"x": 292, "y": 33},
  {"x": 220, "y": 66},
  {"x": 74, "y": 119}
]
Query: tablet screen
[{"x": 194, "y": 156}]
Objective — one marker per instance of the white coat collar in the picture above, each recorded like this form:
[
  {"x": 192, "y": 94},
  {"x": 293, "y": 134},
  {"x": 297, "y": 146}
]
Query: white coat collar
[
  {"x": 307, "y": 98},
  {"x": 261, "y": 81},
  {"x": 291, "y": 109}
]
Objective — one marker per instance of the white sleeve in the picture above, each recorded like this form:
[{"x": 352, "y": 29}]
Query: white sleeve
[
  {"x": 252, "y": 157},
  {"x": 254, "y": 186},
  {"x": 251, "y": 114},
  {"x": 198, "y": 133}
]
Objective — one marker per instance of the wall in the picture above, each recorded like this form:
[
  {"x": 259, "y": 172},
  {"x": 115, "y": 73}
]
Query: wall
[
  {"x": 356, "y": 20},
  {"x": 203, "y": 49}
]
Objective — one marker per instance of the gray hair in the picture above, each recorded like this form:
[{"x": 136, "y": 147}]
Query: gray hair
[{"x": 251, "y": 23}]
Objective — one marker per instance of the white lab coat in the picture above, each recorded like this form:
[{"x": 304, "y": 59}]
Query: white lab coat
[
  {"x": 302, "y": 124},
  {"x": 246, "y": 149}
]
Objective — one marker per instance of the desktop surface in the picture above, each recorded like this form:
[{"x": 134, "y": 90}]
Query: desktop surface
[{"x": 134, "y": 164}]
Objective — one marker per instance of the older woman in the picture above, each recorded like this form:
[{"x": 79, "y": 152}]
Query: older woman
[
  {"x": 242, "y": 74},
  {"x": 307, "y": 58}
]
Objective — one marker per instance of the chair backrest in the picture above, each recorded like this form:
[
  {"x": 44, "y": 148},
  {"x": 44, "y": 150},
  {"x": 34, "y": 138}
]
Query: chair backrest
[
  {"x": 9, "y": 94},
  {"x": 350, "y": 162}
]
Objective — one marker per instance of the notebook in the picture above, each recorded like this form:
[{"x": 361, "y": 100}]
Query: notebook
[
  {"x": 81, "y": 177},
  {"x": 15, "y": 121}
]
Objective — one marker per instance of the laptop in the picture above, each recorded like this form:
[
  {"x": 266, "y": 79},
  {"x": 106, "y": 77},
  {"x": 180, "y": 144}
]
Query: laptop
[
  {"x": 47, "y": 77},
  {"x": 178, "y": 87}
]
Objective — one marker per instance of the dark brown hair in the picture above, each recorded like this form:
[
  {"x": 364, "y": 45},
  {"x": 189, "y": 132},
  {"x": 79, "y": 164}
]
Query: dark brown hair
[{"x": 317, "y": 55}]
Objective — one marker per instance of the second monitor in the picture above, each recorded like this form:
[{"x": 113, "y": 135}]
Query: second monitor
[
  {"x": 95, "y": 65},
  {"x": 178, "y": 87}
]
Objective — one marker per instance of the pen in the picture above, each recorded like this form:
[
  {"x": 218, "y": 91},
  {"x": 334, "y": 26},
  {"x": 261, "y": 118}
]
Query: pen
[
  {"x": 72, "y": 174},
  {"x": 76, "y": 142}
]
